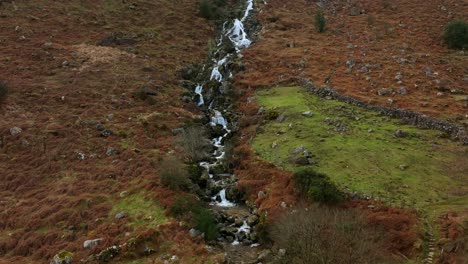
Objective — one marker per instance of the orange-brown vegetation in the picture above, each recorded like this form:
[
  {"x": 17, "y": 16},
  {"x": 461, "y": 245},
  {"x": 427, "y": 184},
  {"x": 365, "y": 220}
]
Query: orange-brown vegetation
[
  {"x": 58, "y": 181},
  {"x": 383, "y": 38}
]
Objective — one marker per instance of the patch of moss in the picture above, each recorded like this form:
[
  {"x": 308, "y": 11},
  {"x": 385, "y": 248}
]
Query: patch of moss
[
  {"x": 141, "y": 211},
  {"x": 358, "y": 150}
]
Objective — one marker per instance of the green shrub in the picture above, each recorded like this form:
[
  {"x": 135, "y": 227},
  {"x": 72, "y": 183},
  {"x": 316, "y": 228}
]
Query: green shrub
[
  {"x": 173, "y": 174},
  {"x": 456, "y": 35},
  {"x": 320, "y": 21},
  {"x": 191, "y": 210},
  {"x": 3, "y": 91},
  {"x": 206, "y": 9},
  {"x": 317, "y": 186}
]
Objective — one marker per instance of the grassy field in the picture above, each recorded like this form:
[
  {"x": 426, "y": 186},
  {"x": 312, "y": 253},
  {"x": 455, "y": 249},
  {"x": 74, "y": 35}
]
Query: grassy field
[{"x": 358, "y": 150}]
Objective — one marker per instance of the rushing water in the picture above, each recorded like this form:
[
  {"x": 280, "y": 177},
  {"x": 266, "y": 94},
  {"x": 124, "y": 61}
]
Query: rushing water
[{"x": 235, "y": 33}]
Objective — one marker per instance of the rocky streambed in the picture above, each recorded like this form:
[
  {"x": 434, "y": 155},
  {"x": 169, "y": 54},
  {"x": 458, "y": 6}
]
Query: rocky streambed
[{"x": 212, "y": 90}]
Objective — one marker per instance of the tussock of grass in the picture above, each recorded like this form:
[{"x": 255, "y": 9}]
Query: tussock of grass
[{"x": 361, "y": 161}]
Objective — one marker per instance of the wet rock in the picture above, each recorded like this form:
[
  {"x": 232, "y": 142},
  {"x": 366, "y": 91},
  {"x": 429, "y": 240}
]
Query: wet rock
[
  {"x": 15, "y": 131},
  {"x": 252, "y": 220},
  {"x": 400, "y": 133},
  {"x": 307, "y": 113},
  {"x": 112, "y": 152},
  {"x": 121, "y": 215},
  {"x": 106, "y": 133},
  {"x": 92, "y": 243},
  {"x": 63, "y": 257},
  {"x": 429, "y": 72}
]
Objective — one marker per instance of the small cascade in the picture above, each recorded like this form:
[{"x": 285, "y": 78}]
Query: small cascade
[
  {"x": 238, "y": 36},
  {"x": 247, "y": 10},
  {"x": 198, "y": 91},
  {"x": 221, "y": 201},
  {"x": 244, "y": 229}
]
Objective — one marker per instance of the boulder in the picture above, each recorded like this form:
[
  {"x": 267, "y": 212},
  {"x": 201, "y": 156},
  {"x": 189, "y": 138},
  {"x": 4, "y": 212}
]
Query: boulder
[
  {"x": 15, "y": 131},
  {"x": 92, "y": 243},
  {"x": 307, "y": 113},
  {"x": 121, "y": 215},
  {"x": 400, "y": 133},
  {"x": 194, "y": 233},
  {"x": 252, "y": 220},
  {"x": 63, "y": 257}
]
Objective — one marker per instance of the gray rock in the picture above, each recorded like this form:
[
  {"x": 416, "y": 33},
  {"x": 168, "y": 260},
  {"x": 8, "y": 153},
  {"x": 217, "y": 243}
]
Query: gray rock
[
  {"x": 111, "y": 151},
  {"x": 307, "y": 114},
  {"x": 15, "y": 131},
  {"x": 92, "y": 243},
  {"x": 261, "y": 194},
  {"x": 400, "y": 133},
  {"x": 106, "y": 133},
  {"x": 110, "y": 117},
  {"x": 283, "y": 205},
  {"x": 398, "y": 76},
  {"x": 121, "y": 215},
  {"x": 402, "y": 91},
  {"x": 350, "y": 64},
  {"x": 350, "y": 46},
  {"x": 403, "y": 167},
  {"x": 383, "y": 91},
  {"x": 363, "y": 69},
  {"x": 63, "y": 257},
  {"x": 252, "y": 220},
  {"x": 194, "y": 233},
  {"x": 429, "y": 72},
  {"x": 281, "y": 118},
  {"x": 281, "y": 252},
  {"x": 261, "y": 110}
]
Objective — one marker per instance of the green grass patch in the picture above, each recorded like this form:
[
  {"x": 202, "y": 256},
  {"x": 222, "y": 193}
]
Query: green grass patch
[
  {"x": 141, "y": 211},
  {"x": 357, "y": 149}
]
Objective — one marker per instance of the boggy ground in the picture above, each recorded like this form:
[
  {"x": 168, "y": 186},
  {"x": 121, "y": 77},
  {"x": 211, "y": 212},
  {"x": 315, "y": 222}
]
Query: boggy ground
[
  {"x": 89, "y": 132},
  {"x": 368, "y": 46}
]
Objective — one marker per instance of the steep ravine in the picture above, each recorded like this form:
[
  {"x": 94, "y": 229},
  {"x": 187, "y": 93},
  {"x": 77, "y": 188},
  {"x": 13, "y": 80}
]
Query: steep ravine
[{"x": 236, "y": 221}]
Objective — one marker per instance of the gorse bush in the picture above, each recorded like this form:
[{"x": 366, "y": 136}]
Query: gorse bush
[
  {"x": 317, "y": 186},
  {"x": 320, "y": 21},
  {"x": 173, "y": 174},
  {"x": 456, "y": 35},
  {"x": 191, "y": 210},
  {"x": 3, "y": 91}
]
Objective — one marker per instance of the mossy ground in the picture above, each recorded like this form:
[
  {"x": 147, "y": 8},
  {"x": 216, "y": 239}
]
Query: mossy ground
[
  {"x": 358, "y": 150},
  {"x": 141, "y": 211}
]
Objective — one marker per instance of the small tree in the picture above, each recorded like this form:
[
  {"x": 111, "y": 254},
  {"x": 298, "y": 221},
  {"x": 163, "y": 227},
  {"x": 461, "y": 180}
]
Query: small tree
[
  {"x": 320, "y": 21},
  {"x": 456, "y": 34},
  {"x": 173, "y": 174}
]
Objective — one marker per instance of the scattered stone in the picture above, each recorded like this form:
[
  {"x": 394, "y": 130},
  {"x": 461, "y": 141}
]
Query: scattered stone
[
  {"x": 264, "y": 255},
  {"x": 186, "y": 99},
  {"x": 350, "y": 46},
  {"x": 81, "y": 155},
  {"x": 106, "y": 133},
  {"x": 110, "y": 117},
  {"x": 123, "y": 194},
  {"x": 383, "y": 91},
  {"x": 429, "y": 72},
  {"x": 370, "y": 130},
  {"x": 65, "y": 63},
  {"x": 92, "y": 243},
  {"x": 281, "y": 252},
  {"x": 399, "y": 76},
  {"x": 292, "y": 44},
  {"x": 402, "y": 91},
  {"x": 440, "y": 94},
  {"x": 350, "y": 64},
  {"x": 274, "y": 144},
  {"x": 281, "y": 118},
  {"x": 368, "y": 78},
  {"x": 121, "y": 215},
  {"x": 112, "y": 152},
  {"x": 403, "y": 167},
  {"x": 400, "y": 133},
  {"x": 108, "y": 253},
  {"x": 195, "y": 233},
  {"x": 15, "y": 131},
  {"x": 63, "y": 257},
  {"x": 283, "y": 205},
  {"x": 261, "y": 110},
  {"x": 261, "y": 194},
  {"x": 307, "y": 113}
]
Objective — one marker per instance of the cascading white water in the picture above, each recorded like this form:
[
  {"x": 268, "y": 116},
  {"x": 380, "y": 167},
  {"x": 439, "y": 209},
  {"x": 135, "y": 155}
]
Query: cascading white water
[
  {"x": 238, "y": 36},
  {"x": 224, "y": 202},
  {"x": 198, "y": 91},
  {"x": 245, "y": 228},
  {"x": 248, "y": 9}
]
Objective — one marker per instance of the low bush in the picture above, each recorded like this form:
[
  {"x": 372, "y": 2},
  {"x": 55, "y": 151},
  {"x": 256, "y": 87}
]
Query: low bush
[
  {"x": 456, "y": 34},
  {"x": 3, "y": 91},
  {"x": 195, "y": 143},
  {"x": 323, "y": 235},
  {"x": 317, "y": 186},
  {"x": 191, "y": 210},
  {"x": 211, "y": 9},
  {"x": 320, "y": 21},
  {"x": 173, "y": 174}
]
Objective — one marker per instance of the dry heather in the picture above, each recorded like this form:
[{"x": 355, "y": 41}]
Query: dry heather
[
  {"x": 85, "y": 137},
  {"x": 368, "y": 46}
]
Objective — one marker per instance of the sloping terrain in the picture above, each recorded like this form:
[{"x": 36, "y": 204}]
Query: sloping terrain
[
  {"x": 93, "y": 97},
  {"x": 391, "y": 48}
]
